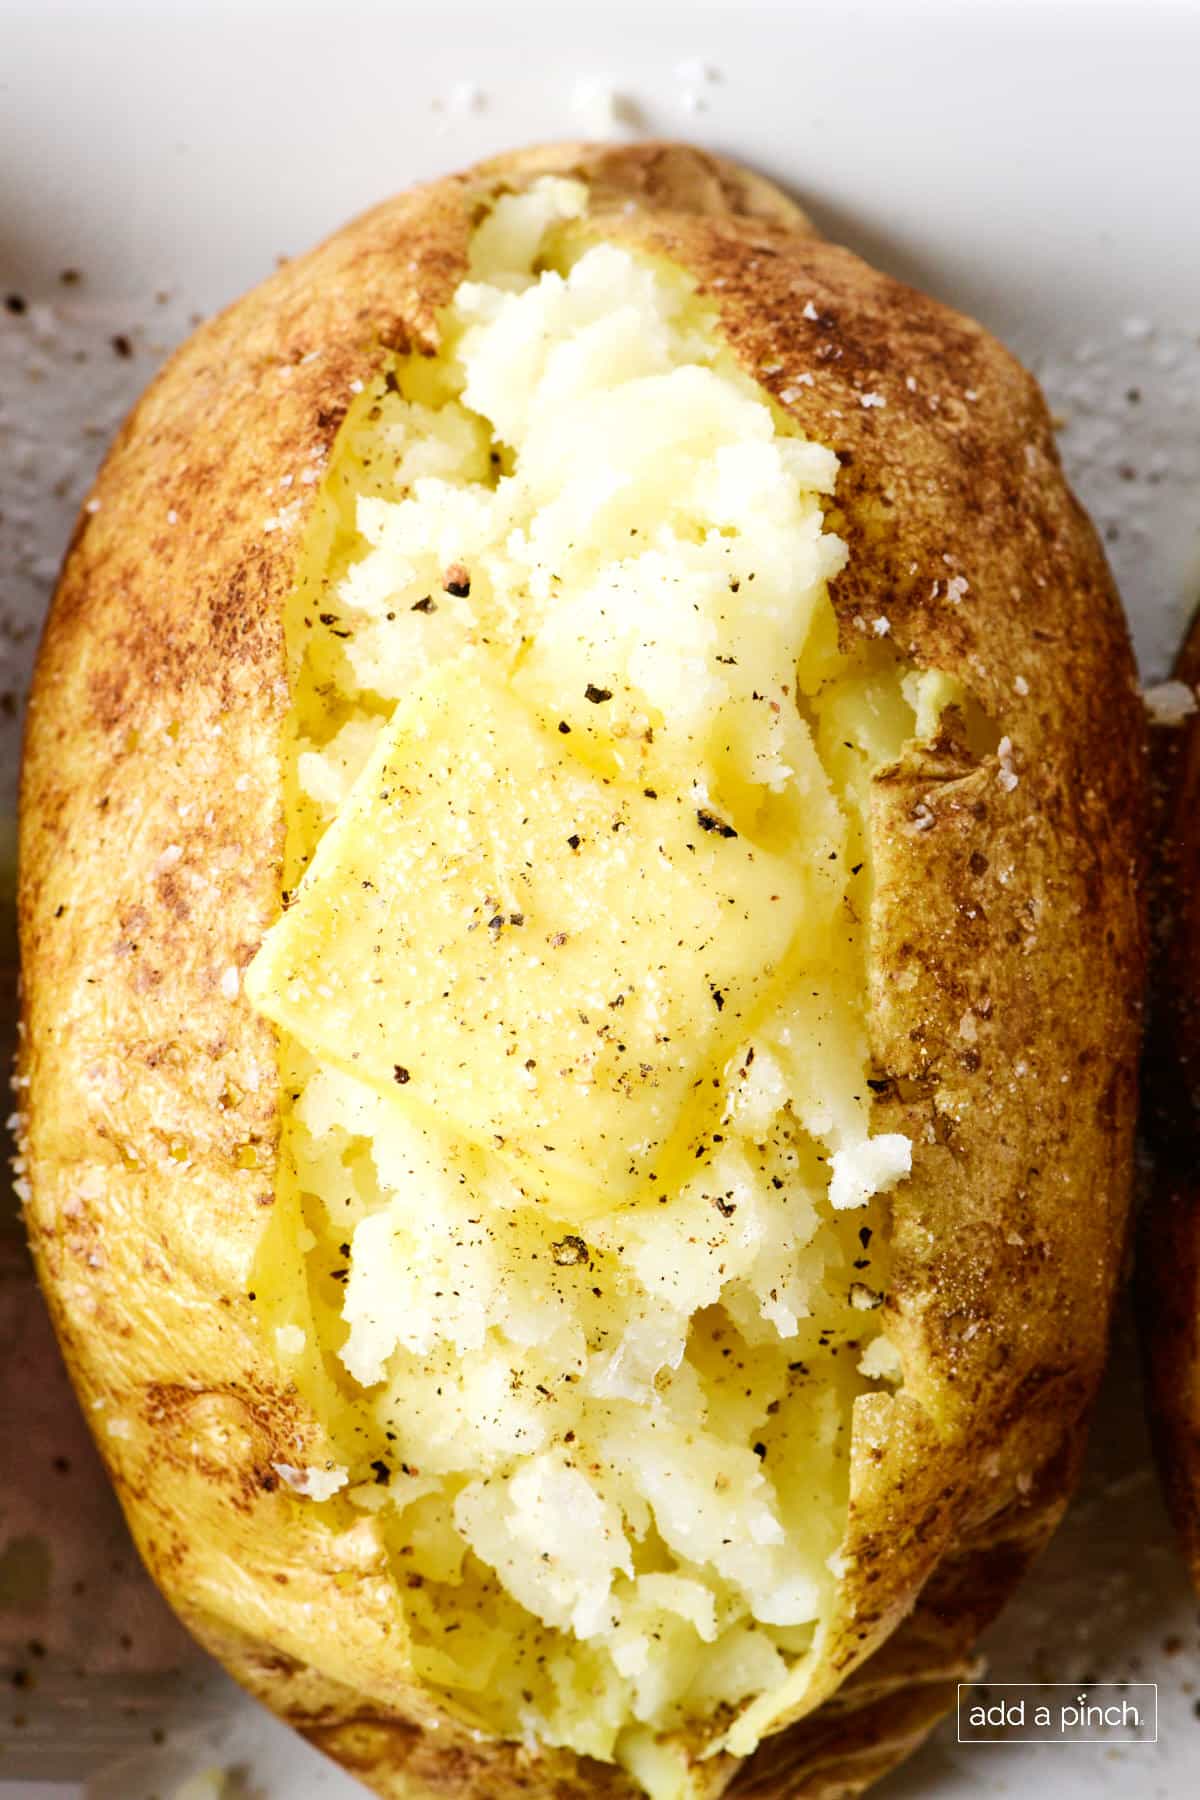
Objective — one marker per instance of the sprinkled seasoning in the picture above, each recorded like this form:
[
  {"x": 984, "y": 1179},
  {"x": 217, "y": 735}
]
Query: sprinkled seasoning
[{"x": 709, "y": 822}]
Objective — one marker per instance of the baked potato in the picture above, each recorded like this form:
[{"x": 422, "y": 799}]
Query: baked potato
[
  {"x": 1169, "y": 1264},
  {"x": 580, "y": 912}
]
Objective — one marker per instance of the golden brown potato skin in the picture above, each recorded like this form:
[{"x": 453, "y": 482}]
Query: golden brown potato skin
[
  {"x": 1006, "y": 965},
  {"x": 1169, "y": 1265}
]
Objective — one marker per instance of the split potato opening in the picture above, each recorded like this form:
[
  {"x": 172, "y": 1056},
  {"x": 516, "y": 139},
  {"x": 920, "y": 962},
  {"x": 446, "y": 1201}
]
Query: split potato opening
[{"x": 581, "y": 1242}]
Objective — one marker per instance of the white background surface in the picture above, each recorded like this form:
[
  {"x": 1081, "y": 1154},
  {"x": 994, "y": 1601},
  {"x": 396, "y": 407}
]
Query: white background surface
[{"x": 1034, "y": 163}]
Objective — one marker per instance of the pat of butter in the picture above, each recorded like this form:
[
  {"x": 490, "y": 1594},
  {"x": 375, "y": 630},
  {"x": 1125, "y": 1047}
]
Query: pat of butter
[{"x": 551, "y": 963}]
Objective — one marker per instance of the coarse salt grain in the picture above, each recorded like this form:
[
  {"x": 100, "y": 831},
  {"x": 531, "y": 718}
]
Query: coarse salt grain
[
  {"x": 1006, "y": 775},
  {"x": 284, "y": 519},
  {"x": 810, "y": 311},
  {"x": 871, "y": 399},
  {"x": 956, "y": 587},
  {"x": 882, "y": 626},
  {"x": 600, "y": 110},
  {"x": 229, "y": 983},
  {"x": 1021, "y": 685},
  {"x": 466, "y": 97}
]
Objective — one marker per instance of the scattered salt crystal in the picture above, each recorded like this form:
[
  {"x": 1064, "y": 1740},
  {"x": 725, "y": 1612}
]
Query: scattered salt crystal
[
  {"x": 810, "y": 311},
  {"x": 229, "y": 983},
  {"x": 956, "y": 587},
  {"x": 466, "y": 97},
  {"x": 601, "y": 111},
  {"x": 284, "y": 519},
  {"x": 1021, "y": 685},
  {"x": 881, "y": 626},
  {"x": 1169, "y": 702},
  {"x": 356, "y": 387},
  {"x": 910, "y": 382},
  {"x": 922, "y": 816},
  {"x": 871, "y": 400},
  {"x": 1006, "y": 775},
  {"x": 92, "y": 506}
]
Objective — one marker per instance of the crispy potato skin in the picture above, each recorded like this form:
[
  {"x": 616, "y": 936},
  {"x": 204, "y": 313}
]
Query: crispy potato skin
[
  {"x": 1006, "y": 964},
  {"x": 1169, "y": 1263}
]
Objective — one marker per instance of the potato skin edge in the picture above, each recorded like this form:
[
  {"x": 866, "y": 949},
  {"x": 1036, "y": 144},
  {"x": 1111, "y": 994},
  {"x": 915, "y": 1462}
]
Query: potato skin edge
[
  {"x": 162, "y": 671},
  {"x": 1168, "y": 1269}
]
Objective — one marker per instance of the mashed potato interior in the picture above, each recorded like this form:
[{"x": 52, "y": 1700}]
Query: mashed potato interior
[{"x": 586, "y": 1236}]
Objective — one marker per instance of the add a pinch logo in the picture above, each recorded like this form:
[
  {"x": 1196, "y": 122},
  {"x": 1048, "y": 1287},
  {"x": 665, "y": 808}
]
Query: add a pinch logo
[{"x": 1061, "y": 1712}]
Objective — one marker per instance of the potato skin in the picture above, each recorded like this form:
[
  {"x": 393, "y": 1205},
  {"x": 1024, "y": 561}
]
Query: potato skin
[
  {"x": 1168, "y": 1280},
  {"x": 1005, "y": 965}
]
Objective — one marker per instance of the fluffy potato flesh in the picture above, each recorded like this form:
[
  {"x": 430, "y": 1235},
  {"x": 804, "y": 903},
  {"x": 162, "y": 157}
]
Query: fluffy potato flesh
[{"x": 581, "y": 1238}]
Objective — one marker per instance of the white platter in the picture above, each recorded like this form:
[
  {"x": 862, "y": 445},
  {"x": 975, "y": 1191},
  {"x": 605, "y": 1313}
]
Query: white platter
[{"x": 1033, "y": 163}]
